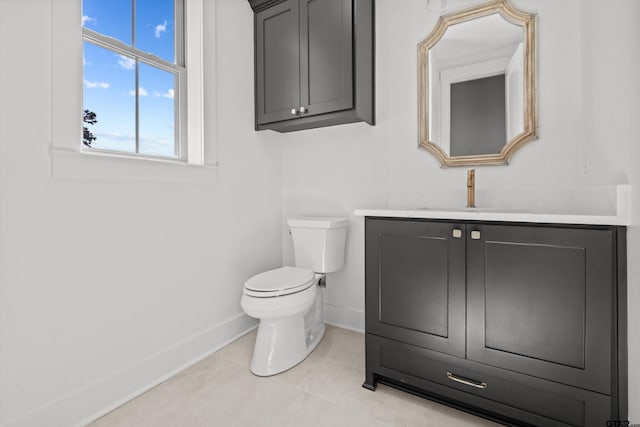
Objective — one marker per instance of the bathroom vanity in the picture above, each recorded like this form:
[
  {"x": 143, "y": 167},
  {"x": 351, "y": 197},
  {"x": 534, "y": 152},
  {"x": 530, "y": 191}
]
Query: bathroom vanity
[{"x": 515, "y": 317}]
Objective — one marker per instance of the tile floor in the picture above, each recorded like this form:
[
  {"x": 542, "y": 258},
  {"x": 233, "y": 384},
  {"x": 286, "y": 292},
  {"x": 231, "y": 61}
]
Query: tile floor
[{"x": 324, "y": 390}]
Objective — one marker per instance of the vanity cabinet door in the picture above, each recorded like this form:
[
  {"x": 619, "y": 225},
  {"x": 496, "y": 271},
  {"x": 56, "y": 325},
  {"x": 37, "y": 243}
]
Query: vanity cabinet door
[
  {"x": 277, "y": 61},
  {"x": 415, "y": 283},
  {"x": 326, "y": 65},
  {"x": 540, "y": 301}
]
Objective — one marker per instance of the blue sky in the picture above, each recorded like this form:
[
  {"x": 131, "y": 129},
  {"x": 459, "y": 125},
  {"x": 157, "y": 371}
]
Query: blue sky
[{"x": 109, "y": 78}]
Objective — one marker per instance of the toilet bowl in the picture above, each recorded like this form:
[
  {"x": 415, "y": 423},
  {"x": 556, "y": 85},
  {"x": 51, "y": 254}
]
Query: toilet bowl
[
  {"x": 281, "y": 298},
  {"x": 289, "y": 300}
]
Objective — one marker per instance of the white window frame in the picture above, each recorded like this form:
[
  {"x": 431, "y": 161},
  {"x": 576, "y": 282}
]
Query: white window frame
[
  {"x": 69, "y": 158},
  {"x": 177, "y": 69}
]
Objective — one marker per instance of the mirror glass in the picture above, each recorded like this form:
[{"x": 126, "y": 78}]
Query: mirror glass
[{"x": 477, "y": 85}]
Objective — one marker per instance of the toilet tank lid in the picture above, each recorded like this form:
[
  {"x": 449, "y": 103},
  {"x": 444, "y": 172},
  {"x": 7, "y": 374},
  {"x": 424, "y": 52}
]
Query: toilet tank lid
[{"x": 318, "y": 222}]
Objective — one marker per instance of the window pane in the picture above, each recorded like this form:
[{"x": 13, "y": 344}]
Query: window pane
[
  {"x": 155, "y": 27},
  {"x": 109, "y": 17},
  {"x": 109, "y": 81},
  {"x": 156, "y": 111}
]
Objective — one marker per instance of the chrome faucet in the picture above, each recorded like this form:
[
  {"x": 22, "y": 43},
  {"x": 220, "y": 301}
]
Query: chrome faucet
[{"x": 471, "y": 188}]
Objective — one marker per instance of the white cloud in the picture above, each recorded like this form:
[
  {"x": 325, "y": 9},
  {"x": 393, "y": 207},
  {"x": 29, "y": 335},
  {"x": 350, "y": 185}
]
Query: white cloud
[
  {"x": 88, "y": 20},
  {"x": 126, "y": 62},
  {"x": 115, "y": 135},
  {"x": 141, "y": 92},
  {"x": 160, "y": 28},
  {"x": 156, "y": 142},
  {"x": 93, "y": 85},
  {"x": 169, "y": 94}
]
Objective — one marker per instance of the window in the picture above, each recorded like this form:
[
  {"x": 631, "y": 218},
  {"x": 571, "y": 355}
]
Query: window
[
  {"x": 133, "y": 77},
  {"x": 192, "y": 160}
]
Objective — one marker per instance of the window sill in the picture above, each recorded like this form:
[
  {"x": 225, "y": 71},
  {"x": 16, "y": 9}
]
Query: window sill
[{"x": 70, "y": 164}]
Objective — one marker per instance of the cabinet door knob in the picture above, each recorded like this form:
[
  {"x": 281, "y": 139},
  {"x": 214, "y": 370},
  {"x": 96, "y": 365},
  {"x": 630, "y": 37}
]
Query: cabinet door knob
[
  {"x": 294, "y": 112},
  {"x": 475, "y": 235},
  {"x": 457, "y": 233},
  {"x": 303, "y": 110}
]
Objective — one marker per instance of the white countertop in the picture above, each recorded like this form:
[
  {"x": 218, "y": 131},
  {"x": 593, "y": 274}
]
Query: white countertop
[{"x": 491, "y": 215}]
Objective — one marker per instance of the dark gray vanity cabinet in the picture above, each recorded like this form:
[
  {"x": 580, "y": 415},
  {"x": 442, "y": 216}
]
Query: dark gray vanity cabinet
[
  {"x": 515, "y": 322},
  {"x": 313, "y": 63}
]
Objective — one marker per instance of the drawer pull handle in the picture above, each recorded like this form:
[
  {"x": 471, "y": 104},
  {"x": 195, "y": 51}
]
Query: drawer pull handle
[
  {"x": 457, "y": 233},
  {"x": 475, "y": 235},
  {"x": 466, "y": 381}
]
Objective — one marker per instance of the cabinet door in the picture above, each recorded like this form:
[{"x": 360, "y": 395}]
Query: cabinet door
[
  {"x": 326, "y": 50},
  {"x": 277, "y": 62},
  {"x": 415, "y": 283},
  {"x": 540, "y": 301}
]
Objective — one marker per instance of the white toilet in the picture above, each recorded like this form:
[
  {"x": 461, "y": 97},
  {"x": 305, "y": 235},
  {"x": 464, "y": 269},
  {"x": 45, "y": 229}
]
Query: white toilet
[{"x": 288, "y": 300}]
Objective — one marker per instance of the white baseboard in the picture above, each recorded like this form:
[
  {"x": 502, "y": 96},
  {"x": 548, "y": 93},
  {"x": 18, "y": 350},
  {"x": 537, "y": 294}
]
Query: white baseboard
[
  {"x": 85, "y": 404},
  {"x": 344, "y": 317}
]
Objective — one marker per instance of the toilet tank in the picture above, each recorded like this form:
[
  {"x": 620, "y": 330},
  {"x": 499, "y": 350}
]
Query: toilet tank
[{"x": 319, "y": 242}]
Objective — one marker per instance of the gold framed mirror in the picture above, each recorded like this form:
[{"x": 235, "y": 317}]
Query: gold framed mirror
[{"x": 477, "y": 85}]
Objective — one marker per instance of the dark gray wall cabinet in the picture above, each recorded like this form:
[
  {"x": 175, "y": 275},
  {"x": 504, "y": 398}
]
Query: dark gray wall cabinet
[
  {"x": 314, "y": 63},
  {"x": 522, "y": 323}
]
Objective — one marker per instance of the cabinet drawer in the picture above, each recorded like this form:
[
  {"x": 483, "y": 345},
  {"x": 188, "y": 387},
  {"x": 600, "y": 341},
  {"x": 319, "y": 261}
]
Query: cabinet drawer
[{"x": 484, "y": 389}]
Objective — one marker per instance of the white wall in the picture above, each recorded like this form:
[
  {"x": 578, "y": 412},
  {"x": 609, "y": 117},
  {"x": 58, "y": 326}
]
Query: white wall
[
  {"x": 611, "y": 64},
  {"x": 106, "y": 287},
  {"x": 588, "y": 120}
]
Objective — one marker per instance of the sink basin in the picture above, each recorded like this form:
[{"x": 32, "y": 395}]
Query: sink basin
[{"x": 480, "y": 209}]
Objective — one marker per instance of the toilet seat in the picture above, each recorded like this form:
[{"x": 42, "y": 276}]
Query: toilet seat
[{"x": 279, "y": 282}]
